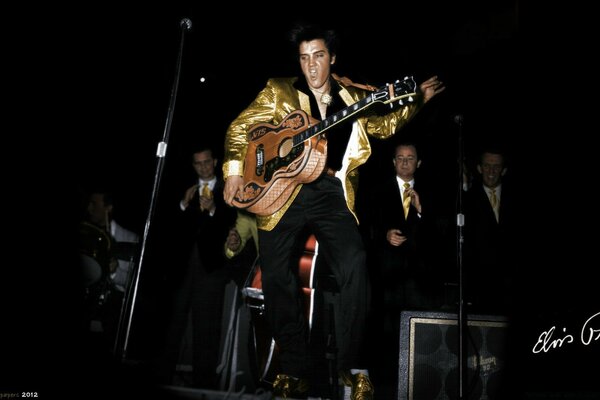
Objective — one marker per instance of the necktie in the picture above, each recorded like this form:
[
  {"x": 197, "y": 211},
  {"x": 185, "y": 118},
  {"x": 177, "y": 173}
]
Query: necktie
[
  {"x": 406, "y": 201},
  {"x": 205, "y": 193},
  {"x": 494, "y": 202},
  {"x": 493, "y": 198}
]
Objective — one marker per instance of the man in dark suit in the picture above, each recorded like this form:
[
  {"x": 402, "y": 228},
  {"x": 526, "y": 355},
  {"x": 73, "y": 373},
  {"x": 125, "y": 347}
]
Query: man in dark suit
[
  {"x": 400, "y": 229},
  {"x": 404, "y": 281},
  {"x": 205, "y": 223},
  {"x": 488, "y": 219}
]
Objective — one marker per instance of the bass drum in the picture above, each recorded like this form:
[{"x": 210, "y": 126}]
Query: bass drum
[
  {"x": 95, "y": 249},
  {"x": 92, "y": 271}
]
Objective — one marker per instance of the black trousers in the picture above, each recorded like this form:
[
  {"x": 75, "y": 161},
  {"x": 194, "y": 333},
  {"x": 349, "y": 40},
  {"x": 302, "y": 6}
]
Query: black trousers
[
  {"x": 201, "y": 292},
  {"x": 321, "y": 207}
]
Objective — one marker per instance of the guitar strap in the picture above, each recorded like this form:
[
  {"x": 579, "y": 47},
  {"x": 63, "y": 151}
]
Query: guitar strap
[{"x": 347, "y": 82}]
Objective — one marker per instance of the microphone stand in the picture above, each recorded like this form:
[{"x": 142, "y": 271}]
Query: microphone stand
[
  {"x": 462, "y": 316},
  {"x": 186, "y": 26}
]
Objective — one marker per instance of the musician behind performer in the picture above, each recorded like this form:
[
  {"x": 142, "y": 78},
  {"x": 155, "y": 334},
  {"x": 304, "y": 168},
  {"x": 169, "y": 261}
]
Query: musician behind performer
[
  {"x": 325, "y": 206},
  {"x": 113, "y": 248}
]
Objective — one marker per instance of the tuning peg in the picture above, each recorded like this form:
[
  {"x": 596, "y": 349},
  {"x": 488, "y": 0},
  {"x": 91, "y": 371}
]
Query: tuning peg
[
  {"x": 397, "y": 81},
  {"x": 406, "y": 77},
  {"x": 410, "y": 98},
  {"x": 391, "y": 105},
  {"x": 400, "y": 102}
]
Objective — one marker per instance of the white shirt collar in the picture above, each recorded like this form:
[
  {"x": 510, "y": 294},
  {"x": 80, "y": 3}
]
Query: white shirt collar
[
  {"x": 497, "y": 189},
  {"x": 211, "y": 183},
  {"x": 401, "y": 182}
]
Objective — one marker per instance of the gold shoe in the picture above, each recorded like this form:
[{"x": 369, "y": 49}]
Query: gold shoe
[
  {"x": 362, "y": 388},
  {"x": 286, "y": 386}
]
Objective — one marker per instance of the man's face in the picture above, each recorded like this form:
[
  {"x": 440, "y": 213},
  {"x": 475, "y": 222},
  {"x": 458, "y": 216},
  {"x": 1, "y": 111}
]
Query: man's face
[
  {"x": 204, "y": 164},
  {"x": 315, "y": 62},
  {"x": 491, "y": 169},
  {"x": 98, "y": 211},
  {"x": 406, "y": 162}
]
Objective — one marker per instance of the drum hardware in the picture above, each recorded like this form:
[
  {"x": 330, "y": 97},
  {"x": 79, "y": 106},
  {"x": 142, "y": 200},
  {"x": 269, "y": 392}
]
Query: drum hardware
[
  {"x": 254, "y": 299},
  {"x": 96, "y": 247},
  {"x": 96, "y": 243}
]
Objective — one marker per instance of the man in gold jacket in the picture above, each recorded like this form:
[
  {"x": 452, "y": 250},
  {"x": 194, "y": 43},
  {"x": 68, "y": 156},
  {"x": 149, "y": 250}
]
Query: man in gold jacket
[{"x": 325, "y": 206}]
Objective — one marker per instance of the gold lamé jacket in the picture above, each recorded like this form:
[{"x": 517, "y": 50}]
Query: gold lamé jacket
[{"x": 277, "y": 100}]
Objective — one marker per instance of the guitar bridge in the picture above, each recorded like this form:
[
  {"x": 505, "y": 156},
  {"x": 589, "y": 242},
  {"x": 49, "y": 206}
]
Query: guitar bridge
[{"x": 260, "y": 160}]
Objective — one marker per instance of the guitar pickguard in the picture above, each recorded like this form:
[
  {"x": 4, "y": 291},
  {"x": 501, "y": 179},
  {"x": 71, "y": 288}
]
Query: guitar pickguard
[{"x": 277, "y": 163}]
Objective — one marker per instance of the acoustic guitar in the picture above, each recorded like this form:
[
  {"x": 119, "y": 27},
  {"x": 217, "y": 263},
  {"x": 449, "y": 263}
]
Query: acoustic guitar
[{"x": 280, "y": 157}]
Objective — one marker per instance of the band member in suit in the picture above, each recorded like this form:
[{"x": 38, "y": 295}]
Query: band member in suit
[
  {"x": 489, "y": 214},
  {"x": 204, "y": 224},
  {"x": 404, "y": 281},
  {"x": 325, "y": 206},
  {"x": 400, "y": 222}
]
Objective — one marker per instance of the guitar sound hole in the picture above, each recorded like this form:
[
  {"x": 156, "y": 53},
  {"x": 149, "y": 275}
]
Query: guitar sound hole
[{"x": 285, "y": 148}]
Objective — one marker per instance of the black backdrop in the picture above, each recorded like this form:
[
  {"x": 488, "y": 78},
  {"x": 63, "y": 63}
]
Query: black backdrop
[{"x": 111, "y": 76}]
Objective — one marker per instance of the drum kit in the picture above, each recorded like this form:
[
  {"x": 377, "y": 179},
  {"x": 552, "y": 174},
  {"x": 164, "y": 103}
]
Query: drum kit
[
  {"x": 98, "y": 253},
  {"x": 96, "y": 247}
]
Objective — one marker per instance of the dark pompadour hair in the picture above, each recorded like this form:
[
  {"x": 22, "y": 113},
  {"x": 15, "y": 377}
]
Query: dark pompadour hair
[{"x": 305, "y": 32}]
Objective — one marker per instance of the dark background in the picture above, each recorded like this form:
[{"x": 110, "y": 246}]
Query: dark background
[{"x": 514, "y": 71}]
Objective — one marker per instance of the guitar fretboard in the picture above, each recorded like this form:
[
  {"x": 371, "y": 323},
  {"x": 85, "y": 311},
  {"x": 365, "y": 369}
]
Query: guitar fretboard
[{"x": 333, "y": 120}]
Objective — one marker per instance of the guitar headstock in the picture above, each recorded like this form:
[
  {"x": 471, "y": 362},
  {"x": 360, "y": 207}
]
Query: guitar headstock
[{"x": 401, "y": 91}]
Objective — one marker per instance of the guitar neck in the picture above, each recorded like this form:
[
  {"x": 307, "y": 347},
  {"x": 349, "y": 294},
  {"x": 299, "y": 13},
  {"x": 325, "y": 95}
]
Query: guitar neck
[
  {"x": 334, "y": 119},
  {"x": 386, "y": 94}
]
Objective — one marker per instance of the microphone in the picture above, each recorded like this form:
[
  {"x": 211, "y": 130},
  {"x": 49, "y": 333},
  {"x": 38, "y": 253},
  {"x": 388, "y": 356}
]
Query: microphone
[
  {"x": 458, "y": 119},
  {"x": 186, "y": 24}
]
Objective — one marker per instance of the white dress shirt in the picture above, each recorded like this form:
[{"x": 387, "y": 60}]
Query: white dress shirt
[{"x": 121, "y": 276}]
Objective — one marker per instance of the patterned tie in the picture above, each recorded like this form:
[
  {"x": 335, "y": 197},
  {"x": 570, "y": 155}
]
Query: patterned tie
[
  {"x": 494, "y": 202},
  {"x": 406, "y": 201}
]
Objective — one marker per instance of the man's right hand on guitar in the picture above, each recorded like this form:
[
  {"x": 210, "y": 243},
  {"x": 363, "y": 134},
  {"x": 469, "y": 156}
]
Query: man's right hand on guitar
[{"x": 233, "y": 184}]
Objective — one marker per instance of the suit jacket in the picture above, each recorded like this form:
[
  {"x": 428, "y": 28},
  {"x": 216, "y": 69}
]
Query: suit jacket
[
  {"x": 206, "y": 231},
  {"x": 485, "y": 237},
  {"x": 490, "y": 253},
  {"x": 391, "y": 216},
  {"x": 279, "y": 98}
]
